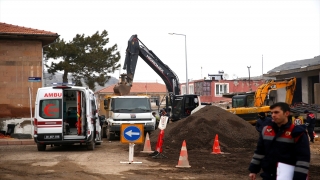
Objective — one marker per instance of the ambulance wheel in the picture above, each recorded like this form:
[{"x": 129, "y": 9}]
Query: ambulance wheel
[
  {"x": 41, "y": 147},
  {"x": 98, "y": 140},
  {"x": 91, "y": 145}
]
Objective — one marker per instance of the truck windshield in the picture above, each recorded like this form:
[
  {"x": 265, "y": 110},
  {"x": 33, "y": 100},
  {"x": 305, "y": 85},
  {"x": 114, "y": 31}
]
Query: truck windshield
[{"x": 131, "y": 105}]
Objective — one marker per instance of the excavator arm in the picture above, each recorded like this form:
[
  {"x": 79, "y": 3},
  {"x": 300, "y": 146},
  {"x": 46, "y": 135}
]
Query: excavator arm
[
  {"x": 263, "y": 91},
  {"x": 133, "y": 51}
]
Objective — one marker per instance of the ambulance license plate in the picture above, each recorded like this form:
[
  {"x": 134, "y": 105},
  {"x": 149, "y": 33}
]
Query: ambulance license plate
[{"x": 52, "y": 137}]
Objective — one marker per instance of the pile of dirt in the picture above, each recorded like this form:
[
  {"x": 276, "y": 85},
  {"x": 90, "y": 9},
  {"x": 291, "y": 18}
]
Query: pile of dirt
[{"x": 200, "y": 129}]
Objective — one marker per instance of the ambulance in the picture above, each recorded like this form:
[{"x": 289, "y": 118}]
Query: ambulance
[{"x": 65, "y": 115}]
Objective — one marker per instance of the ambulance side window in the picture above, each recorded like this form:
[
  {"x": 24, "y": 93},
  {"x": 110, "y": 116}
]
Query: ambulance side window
[{"x": 50, "y": 109}]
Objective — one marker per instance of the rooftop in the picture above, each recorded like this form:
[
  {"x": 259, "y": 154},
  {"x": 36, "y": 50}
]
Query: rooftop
[
  {"x": 138, "y": 87},
  {"x": 302, "y": 65},
  {"x": 9, "y": 31}
]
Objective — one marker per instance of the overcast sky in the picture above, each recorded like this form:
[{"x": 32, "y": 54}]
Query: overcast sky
[{"x": 221, "y": 35}]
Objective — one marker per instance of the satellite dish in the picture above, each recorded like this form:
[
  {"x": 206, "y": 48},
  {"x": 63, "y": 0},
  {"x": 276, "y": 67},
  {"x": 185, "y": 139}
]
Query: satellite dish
[
  {"x": 234, "y": 76},
  {"x": 225, "y": 76}
]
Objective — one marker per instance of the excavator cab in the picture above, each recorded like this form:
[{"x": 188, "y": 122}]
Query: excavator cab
[
  {"x": 245, "y": 100},
  {"x": 182, "y": 105}
]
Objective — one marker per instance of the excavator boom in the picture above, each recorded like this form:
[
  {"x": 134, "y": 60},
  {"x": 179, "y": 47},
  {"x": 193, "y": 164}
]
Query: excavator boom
[
  {"x": 263, "y": 91},
  {"x": 248, "y": 106},
  {"x": 133, "y": 51}
]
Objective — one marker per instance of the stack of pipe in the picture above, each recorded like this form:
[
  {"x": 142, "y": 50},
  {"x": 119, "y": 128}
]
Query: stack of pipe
[{"x": 301, "y": 107}]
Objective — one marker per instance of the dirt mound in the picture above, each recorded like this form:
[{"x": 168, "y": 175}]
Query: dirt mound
[{"x": 200, "y": 129}]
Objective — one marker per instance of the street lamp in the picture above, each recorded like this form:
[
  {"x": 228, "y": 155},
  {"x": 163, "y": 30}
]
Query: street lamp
[
  {"x": 249, "y": 77},
  {"x": 185, "y": 42}
]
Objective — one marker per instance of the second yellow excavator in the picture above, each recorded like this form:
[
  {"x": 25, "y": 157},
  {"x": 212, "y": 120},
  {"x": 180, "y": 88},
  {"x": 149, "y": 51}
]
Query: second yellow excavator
[{"x": 248, "y": 106}]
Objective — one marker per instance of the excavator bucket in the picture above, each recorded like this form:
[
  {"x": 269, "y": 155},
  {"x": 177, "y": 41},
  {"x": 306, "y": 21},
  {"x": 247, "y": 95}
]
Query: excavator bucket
[{"x": 123, "y": 87}]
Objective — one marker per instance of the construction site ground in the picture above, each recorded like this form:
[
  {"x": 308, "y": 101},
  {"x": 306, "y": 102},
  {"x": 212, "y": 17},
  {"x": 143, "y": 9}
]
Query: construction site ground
[
  {"x": 75, "y": 162},
  {"x": 23, "y": 162}
]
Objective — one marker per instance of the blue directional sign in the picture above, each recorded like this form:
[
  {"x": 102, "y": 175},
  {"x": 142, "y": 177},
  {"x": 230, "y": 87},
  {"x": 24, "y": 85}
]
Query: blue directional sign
[
  {"x": 34, "y": 79},
  {"x": 132, "y": 133}
]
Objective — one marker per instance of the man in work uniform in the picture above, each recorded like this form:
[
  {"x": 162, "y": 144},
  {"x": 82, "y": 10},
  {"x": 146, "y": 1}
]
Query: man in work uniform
[
  {"x": 157, "y": 119},
  {"x": 310, "y": 123},
  {"x": 262, "y": 121},
  {"x": 281, "y": 141}
]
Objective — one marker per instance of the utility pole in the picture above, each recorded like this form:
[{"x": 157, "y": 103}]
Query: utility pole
[{"x": 249, "y": 77}]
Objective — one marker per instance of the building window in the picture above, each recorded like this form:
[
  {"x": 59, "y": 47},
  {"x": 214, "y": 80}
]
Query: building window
[
  {"x": 206, "y": 88},
  {"x": 202, "y": 88},
  {"x": 191, "y": 89},
  {"x": 221, "y": 88},
  {"x": 183, "y": 89}
]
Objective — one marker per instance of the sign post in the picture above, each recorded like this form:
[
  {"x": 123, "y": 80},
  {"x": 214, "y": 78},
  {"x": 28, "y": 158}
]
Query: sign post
[{"x": 131, "y": 134}]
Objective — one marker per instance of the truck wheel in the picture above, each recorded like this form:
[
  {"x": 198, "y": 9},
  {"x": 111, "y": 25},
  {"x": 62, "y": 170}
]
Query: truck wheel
[
  {"x": 110, "y": 136},
  {"x": 98, "y": 139},
  {"x": 91, "y": 145},
  {"x": 104, "y": 132},
  {"x": 41, "y": 147}
]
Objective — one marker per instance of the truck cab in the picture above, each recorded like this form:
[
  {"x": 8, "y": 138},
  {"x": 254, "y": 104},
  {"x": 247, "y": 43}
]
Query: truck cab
[{"x": 129, "y": 110}]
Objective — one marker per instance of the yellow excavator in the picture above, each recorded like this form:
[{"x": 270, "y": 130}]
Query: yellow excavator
[{"x": 249, "y": 105}]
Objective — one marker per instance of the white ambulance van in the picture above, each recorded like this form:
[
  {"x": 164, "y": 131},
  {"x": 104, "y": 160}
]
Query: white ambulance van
[{"x": 66, "y": 114}]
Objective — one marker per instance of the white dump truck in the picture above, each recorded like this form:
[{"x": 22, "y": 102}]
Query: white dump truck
[{"x": 127, "y": 110}]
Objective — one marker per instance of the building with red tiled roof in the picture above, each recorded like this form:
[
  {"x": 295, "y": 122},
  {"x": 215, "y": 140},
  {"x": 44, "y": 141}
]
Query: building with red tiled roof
[
  {"x": 139, "y": 88},
  {"x": 156, "y": 91},
  {"x": 11, "y": 32},
  {"x": 21, "y": 67}
]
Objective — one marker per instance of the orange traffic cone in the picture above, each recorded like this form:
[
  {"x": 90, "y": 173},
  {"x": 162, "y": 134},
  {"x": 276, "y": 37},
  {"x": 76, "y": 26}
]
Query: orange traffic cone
[
  {"x": 216, "y": 146},
  {"x": 147, "y": 145},
  {"x": 183, "y": 159}
]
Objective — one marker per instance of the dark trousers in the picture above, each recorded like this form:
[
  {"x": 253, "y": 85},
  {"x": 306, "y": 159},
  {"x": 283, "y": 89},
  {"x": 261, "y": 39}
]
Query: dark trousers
[
  {"x": 268, "y": 176},
  {"x": 310, "y": 132}
]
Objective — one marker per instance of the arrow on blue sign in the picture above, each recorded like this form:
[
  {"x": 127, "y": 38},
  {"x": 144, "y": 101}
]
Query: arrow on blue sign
[{"x": 132, "y": 133}]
